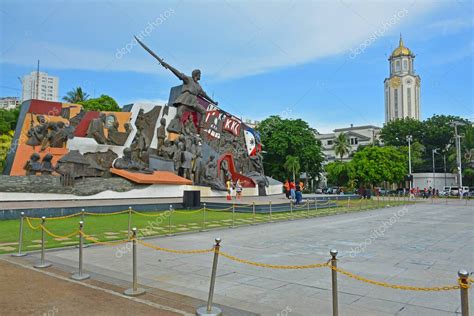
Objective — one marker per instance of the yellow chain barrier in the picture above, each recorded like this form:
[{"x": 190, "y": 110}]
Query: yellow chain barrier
[
  {"x": 58, "y": 217},
  {"x": 273, "y": 266},
  {"x": 395, "y": 286},
  {"x": 47, "y": 231},
  {"x": 218, "y": 210},
  {"x": 173, "y": 250},
  {"x": 31, "y": 225},
  {"x": 106, "y": 214},
  {"x": 105, "y": 243},
  {"x": 149, "y": 215},
  {"x": 189, "y": 212}
]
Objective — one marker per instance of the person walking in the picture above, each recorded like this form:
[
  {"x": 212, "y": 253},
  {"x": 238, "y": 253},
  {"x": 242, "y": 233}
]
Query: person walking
[
  {"x": 238, "y": 189},
  {"x": 292, "y": 190},
  {"x": 298, "y": 194},
  {"x": 287, "y": 188}
]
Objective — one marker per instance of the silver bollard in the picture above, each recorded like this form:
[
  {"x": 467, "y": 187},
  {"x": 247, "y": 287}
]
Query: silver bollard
[
  {"x": 463, "y": 276},
  {"x": 42, "y": 264},
  {"x": 79, "y": 276},
  {"x": 335, "y": 309},
  {"x": 129, "y": 221},
  {"x": 169, "y": 221},
  {"x": 316, "y": 204},
  {"x": 210, "y": 310},
  {"x": 270, "y": 204},
  {"x": 348, "y": 202},
  {"x": 233, "y": 215},
  {"x": 20, "y": 238},
  {"x": 307, "y": 207},
  {"x": 134, "y": 291},
  {"x": 203, "y": 228},
  {"x": 83, "y": 211},
  {"x": 253, "y": 210},
  {"x": 291, "y": 209}
]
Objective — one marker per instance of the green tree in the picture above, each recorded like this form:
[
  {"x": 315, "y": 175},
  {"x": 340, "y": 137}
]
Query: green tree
[
  {"x": 395, "y": 132},
  {"x": 341, "y": 146},
  {"x": 8, "y": 120},
  {"x": 5, "y": 143},
  {"x": 374, "y": 165},
  {"x": 102, "y": 103},
  {"x": 338, "y": 173},
  {"x": 292, "y": 165},
  {"x": 76, "y": 96},
  {"x": 289, "y": 137}
]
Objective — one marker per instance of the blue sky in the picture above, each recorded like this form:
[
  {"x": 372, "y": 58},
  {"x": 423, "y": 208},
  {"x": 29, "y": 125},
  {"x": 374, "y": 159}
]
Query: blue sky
[{"x": 323, "y": 61}]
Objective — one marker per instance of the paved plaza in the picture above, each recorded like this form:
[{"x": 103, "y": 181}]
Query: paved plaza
[{"x": 420, "y": 245}]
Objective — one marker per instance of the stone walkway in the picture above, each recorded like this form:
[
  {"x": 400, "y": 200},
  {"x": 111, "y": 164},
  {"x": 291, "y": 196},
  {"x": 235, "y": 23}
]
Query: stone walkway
[{"x": 419, "y": 245}]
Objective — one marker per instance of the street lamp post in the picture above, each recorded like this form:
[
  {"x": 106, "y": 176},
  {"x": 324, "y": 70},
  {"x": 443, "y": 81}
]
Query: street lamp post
[
  {"x": 434, "y": 151},
  {"x": 409, "y": 139},
  {"x": 458, "y": 155}
]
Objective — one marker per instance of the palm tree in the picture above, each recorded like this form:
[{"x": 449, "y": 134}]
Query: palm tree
[
  {"x": 76, "y": 96},
  {"x": 341, "y": 145},
  {"x": 292, "y": 164}
]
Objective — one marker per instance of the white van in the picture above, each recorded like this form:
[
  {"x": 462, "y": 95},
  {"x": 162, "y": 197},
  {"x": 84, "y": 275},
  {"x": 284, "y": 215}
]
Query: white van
[{"x": 454, "y": 191}]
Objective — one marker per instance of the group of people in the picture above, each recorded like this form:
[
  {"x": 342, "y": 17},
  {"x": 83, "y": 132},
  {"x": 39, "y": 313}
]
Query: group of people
[
  {"x": 294, "y": 190},
  {"x": 425, "y": 192},
  {"x": 234, "y": 189}
]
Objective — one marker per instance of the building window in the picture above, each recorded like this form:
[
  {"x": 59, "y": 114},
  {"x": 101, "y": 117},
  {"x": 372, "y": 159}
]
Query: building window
[
  {"x": 395, "y": 106},
  {"x": 405, "y": 65},
  {"x": 397, "y": 65},
  {"x": 354, "y": 141},
  {"x": 330, "y": 142},
  {"x": 409, "y": 101}
]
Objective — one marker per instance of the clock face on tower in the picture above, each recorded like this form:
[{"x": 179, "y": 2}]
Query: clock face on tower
[{"x": 409, "y": 81}]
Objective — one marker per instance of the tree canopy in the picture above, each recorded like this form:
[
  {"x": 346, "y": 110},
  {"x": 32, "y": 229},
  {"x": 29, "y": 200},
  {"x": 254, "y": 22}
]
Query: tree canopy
[
  {"x": 102, "y": 103},
  {"x": 341, "y": 146},
  {"x": 8, "y": 120},
  {"x": 289, "y": 137},
  {"x": 76, "y": 95}
]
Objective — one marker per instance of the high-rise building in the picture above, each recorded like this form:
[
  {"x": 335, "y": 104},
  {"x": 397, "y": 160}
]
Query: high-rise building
[
  {"x": 48, "y": 87},
  {"x": 402, "y": 88}
]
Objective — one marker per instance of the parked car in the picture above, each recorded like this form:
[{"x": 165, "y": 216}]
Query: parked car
[
  {"x": 465, "y": 191},
  {"x": 454, "y": 191}
]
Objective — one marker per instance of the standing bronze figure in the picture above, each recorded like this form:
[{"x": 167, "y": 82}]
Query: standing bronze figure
[{"x": 191, "y": 87}]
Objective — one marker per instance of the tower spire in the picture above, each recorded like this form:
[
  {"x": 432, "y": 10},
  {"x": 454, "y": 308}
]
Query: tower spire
[{"x": 400, "y": 43}]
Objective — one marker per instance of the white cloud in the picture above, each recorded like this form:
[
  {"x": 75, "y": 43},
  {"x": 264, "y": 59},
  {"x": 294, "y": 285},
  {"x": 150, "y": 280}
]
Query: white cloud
[{"x": 225, "y": 39}]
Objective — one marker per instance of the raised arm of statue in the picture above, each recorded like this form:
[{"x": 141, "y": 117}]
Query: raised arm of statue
[{"x": 175, "y": 71}]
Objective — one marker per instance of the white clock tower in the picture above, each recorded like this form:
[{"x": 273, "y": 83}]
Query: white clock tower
[{"x": 402, "y": 88}]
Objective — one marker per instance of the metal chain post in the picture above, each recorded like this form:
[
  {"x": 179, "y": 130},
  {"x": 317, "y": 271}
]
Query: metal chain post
[
  {"x": 129, "y": 221},
  {"x": 253, "y": 210},
  {"x": 203, "y": 228},
  {"x": 463, "y": 279},
  {"x": 80, "y": 276},
  {"x": 82, "y": 214},
  {"x": 291, "y": 209},
  {"x": 210, "y": 310},
  {"x": 270, "y": 204},
  {"x": 42, "y": 264},
  {"x": 233, "y": 215},
  {"x": 20, "y": 238},
  {"x": 335, "y": 310},
  {"x": 169, "y": 220},
  {"x": 134, "y": 291},
  {"x": 307, "y": 207},
  {"x": 348, "y": 202},
  {"x": 316, "y": 204}
]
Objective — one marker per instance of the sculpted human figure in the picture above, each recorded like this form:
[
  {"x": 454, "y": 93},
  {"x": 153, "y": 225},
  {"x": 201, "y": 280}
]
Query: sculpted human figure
[
  {"x": 33, "y": 165},
  {"x": 175, "y": 125},
  {"x": 46, "y": 165},
  {"x": 189, "y": 127},
  {"x": 96, "y": 129},
  {"x": 127, "y": 162},
  {"x": 191, "y": 87},
  {"x": 37, "y": 133},
  {"x": 161, "y": 133}
]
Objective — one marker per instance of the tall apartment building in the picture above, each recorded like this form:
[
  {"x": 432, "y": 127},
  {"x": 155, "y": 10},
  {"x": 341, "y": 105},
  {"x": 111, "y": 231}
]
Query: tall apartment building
[{"x": 48, "y": 87}]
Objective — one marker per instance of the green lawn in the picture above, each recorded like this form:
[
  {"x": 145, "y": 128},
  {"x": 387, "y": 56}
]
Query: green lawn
[{"x": 115, "y": 227}]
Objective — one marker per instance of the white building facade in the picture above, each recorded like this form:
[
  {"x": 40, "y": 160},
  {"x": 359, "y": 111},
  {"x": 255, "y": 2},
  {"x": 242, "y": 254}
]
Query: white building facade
[
  {"x": 356, "y": 136},
  {"x": 40, "y": 86},
  {"x": 402, "y": 88},
  {"x": 9, "y": 103}
]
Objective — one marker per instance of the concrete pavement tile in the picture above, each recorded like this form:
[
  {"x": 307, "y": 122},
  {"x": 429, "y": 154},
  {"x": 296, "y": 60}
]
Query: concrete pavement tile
[
  {"x": 410, "y": 310},
  {"x": 385, "y": 306}
]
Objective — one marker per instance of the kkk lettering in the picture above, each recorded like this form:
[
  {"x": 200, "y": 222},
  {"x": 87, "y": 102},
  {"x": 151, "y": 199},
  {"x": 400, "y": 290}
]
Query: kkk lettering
[{"x": 231, "y": 125}]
